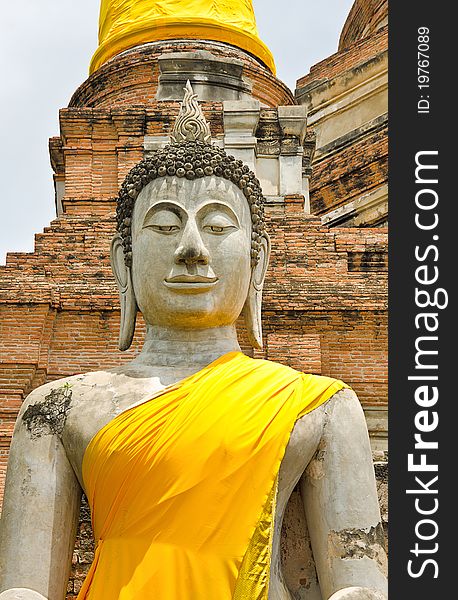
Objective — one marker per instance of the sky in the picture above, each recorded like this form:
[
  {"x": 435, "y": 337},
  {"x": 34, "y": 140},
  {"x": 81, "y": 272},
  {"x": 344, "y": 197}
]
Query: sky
[{"x": 45, "y": 50}]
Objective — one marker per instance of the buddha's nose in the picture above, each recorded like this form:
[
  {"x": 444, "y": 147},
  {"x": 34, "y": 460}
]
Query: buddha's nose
[{"x": 191, "y": 250}]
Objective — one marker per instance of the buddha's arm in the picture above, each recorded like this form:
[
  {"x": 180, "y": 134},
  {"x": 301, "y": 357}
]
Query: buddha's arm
[
  {"x": 341, "y": 505},
  {"x": 39, "y": 515}
]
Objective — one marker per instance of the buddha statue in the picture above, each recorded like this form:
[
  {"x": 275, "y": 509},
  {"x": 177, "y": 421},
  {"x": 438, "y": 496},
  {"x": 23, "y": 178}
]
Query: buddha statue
[{"x": 189, "y": 453}]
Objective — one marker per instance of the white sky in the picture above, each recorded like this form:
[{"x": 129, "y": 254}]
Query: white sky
[{"x": 45, "y": 49}]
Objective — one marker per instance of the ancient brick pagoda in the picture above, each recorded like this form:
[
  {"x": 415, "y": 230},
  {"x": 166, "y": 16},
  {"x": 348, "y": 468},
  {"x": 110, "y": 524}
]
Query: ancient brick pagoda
[{"x": 325, "y": 181}]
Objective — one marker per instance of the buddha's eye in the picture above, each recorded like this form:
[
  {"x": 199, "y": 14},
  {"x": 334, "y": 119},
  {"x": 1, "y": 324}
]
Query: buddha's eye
[
  {"x": 164, "y": 222},
  {"x": 164, "y": 228},
  {"x": 218, "y": 224}
]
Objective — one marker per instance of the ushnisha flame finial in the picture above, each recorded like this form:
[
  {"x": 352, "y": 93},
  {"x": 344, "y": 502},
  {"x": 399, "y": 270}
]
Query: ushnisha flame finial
[{"x": 191, "y": 125}]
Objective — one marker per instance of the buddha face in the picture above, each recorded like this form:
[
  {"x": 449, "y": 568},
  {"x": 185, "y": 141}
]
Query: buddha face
[{"x": 191, "y": 244}]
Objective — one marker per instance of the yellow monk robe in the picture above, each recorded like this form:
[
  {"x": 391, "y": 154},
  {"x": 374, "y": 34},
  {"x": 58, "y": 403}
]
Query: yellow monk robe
[
  {"x": 182, "y": 487},
  {"x": 128, "y": 23}
]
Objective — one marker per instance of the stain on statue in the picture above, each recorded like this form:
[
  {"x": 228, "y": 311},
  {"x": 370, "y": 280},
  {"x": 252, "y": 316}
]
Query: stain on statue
[{"x": 190, "y": 253}]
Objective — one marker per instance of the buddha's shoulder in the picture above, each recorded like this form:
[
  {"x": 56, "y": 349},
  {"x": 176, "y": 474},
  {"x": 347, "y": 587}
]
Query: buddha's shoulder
[
  {"x": 74, "y": 405},
  {"x": 75, "y": 389},
  {"x": 337, "y": 388}
]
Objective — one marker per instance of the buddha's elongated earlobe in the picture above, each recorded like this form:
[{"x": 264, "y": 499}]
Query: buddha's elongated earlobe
[
  {"x": 253, "y": 304},
  {"x": 127, "y": 298}
]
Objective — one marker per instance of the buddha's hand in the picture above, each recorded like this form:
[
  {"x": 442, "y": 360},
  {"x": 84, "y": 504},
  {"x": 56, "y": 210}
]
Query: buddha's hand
[
  {"x": 21, "y": 594},
  {"x": 358, "y": 593}
]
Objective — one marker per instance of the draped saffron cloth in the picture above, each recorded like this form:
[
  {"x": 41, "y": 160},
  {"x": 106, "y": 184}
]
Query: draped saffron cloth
[
  {"x": 124, "y": 24},
  {"x": 182, "y": 487}
]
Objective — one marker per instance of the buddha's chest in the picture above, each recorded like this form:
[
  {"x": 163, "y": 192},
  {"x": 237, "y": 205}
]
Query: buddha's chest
[
  {"x": 223, "y": 437},
  {"x": 93, "y": 412},
  {"x": 94, "y": 406}
]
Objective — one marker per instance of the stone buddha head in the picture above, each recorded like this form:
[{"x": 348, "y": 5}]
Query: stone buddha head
[{"x": 191, "y": 249}]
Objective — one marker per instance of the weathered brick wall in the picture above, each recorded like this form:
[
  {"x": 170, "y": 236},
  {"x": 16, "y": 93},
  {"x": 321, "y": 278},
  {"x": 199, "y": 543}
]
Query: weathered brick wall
[
  {"x": 341, "y": 61},
  {"x": 346, "y": 97},
  {"x": 365, "y": 18},
  {"x": 353, "y": 170}
]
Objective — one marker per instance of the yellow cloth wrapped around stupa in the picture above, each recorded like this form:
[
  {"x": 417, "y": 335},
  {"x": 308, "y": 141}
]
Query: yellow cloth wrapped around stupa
[{"x": 128, "y": 23}]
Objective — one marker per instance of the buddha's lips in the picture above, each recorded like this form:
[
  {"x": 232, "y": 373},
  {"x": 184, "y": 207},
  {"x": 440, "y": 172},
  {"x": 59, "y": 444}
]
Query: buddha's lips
[{"x": 191, "y": 279}]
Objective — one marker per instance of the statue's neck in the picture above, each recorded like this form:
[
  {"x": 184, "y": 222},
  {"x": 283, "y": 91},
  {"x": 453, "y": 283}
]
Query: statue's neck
[{"x": 192, "y": 348}]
